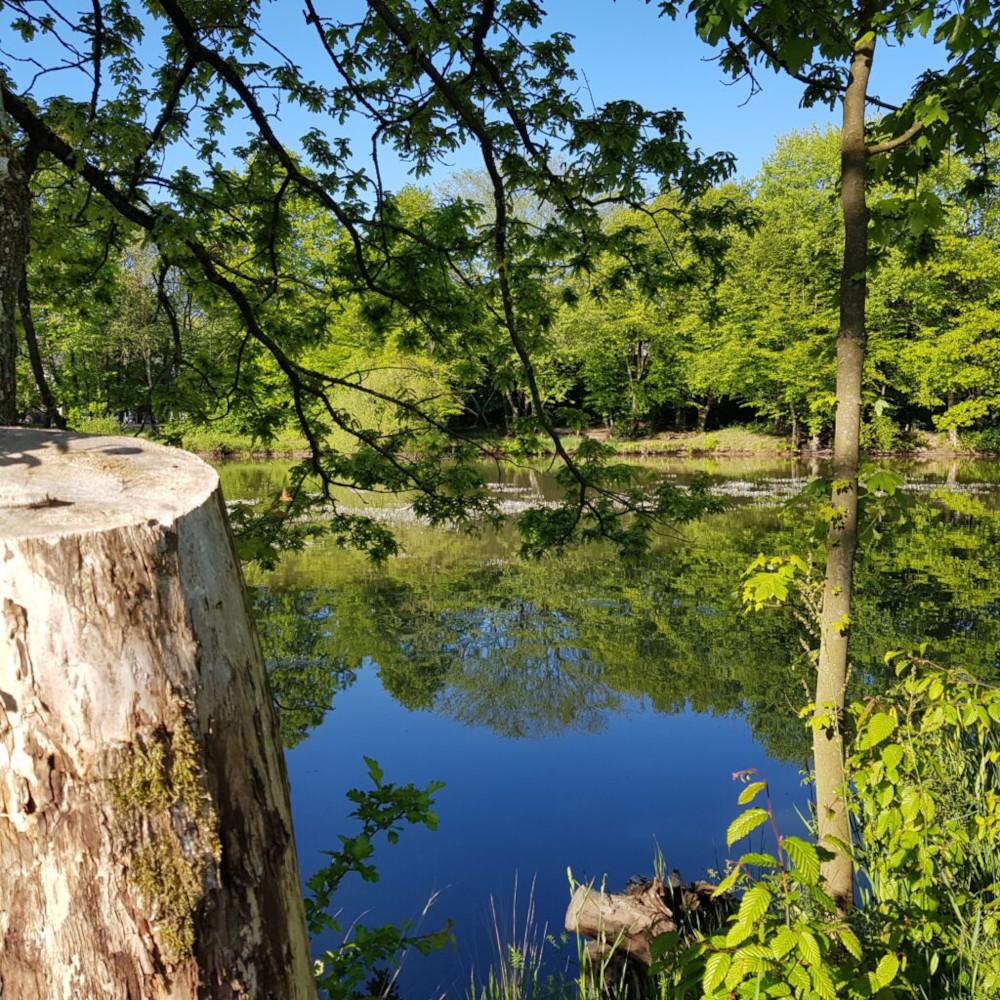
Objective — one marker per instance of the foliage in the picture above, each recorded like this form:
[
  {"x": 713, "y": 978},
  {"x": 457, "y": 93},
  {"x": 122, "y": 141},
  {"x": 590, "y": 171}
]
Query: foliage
[
  {"x": 296, "y": 287},
  {"x": 927, "y": 807},
  {"x": 925, "y": 796},
  {"x": 357, "y": 966}
]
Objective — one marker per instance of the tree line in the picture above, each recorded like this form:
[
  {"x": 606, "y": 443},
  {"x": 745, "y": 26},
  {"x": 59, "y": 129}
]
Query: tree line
[{"x": 741, "y": 333}]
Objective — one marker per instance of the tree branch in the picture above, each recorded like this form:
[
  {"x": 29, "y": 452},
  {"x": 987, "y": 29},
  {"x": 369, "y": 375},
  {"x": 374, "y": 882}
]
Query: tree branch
[{"x": 900, "y": 140}]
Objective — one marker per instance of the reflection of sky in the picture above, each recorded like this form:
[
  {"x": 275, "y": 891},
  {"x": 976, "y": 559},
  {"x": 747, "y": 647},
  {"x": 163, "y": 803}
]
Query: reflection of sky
[
  {"x": 595, "y": 802},
  {"x": 594, "y": 780}
]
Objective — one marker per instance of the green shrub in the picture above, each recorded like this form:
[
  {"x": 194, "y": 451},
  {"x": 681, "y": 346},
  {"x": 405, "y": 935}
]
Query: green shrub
[
  {"x": 881, "y": 433},
  {"x": 925, "y": 796},
  {"x": 984, "y": 440}
]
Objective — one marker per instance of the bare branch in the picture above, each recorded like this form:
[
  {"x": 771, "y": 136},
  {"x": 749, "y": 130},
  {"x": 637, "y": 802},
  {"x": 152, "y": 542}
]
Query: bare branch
[{"x": 900, "y": 140}]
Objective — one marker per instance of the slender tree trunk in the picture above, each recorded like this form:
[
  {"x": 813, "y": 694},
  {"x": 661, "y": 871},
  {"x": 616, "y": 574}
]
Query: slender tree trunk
[
  {"x": 15, "y": 209},
  {"x": 703, "y": 412},
  {"x": 953, "y": 430},
  {"x": 795, "y": 425},
  {"x": 37, "y": 367},
  {"x": 145, "y": 834},
  {"x": 831, "y": 682}
]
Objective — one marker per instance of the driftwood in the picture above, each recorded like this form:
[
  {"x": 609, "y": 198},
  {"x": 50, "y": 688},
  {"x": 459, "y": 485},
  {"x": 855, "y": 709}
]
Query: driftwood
[{"x": 622, "y": 926}]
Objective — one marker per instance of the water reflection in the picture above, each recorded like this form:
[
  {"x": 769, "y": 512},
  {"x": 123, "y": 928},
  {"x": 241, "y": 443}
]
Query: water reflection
[
  {"x": 462, "y": 627},
  {"x": 578, "y": 707}
]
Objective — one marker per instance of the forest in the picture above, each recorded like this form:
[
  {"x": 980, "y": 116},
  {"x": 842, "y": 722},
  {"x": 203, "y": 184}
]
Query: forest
[
  {"x": 738, "y": 335},
  {"x": 196, "y": 232}
]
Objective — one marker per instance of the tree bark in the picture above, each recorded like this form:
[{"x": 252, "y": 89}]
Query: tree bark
[
  {"x": 621, "y": 926},
  {"x": 953, "y": 439},
  {"x": 49, "y": 404},
  {"x": 145, "y": 833},
  {"x": 703, "y": 411},
  {"x": 832, "y": 819},
  {"x": 15, "y": 209}
]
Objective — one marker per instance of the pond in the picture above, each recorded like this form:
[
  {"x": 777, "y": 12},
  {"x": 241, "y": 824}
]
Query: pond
[{"x": 583, "y": 714}]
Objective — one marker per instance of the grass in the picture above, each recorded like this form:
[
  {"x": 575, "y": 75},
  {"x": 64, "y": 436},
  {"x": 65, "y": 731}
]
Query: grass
[
  {"x": 209, "y": 441},
  {"x": 519, "y": 966},
  {"x": 218, "y": 441},
  {"x": 726, "y": 440}
]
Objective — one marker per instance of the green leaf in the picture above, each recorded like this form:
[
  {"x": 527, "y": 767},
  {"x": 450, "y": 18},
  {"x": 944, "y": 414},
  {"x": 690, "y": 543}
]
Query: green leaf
[
  {"x": 850, "y": 941},
  {"x": 804, "y": 857},
  {"x": 374, "y": 771},
  {"x": 880, "y": 727},
  {"x": 716, "y": 968},
  {"x": 745, "y": 824},
  {"x": 662, "y": 944},
  {"x": 887, "y": 969},
  {"x": 798, "y": 977},
  {"x": 822, "y": 982},
  {"x": 751, "y": 792},
  {"x": 754, "y": 905},
  {"x": 884, "y": 481},
  {"x": 758, "y": 860},
  {"x": 892, "y": 756},
  {"x": 809, "y": 948},
  {"x": 738, "y": 933},
  {"x": 784, "y": 941}
]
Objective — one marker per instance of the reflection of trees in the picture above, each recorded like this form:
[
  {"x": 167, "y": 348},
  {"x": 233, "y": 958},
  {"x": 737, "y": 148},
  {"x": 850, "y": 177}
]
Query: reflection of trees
[
  {"x": 532, "y": 648},
  {"x": 515, "y": 668},
  {"x": 299, "y": 644},
  {"x": 521, "y": 671}
]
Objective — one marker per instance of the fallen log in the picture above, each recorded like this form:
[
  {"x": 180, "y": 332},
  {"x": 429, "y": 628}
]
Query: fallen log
[
  {"x": 145, "y": 832},
  {"x": 621, "y": 926}
]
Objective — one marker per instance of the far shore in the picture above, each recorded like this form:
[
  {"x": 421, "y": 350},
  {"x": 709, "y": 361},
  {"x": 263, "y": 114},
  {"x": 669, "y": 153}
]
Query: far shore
[{"x": 727, "y": 442}]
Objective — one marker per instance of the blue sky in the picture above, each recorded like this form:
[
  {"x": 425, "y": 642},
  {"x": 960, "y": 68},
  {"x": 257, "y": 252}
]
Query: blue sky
[{"x": 626, "y": 50}]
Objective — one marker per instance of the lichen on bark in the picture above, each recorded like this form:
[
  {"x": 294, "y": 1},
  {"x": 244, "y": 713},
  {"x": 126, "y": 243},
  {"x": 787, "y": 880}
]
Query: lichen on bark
[{"x": 159, "y": 790}]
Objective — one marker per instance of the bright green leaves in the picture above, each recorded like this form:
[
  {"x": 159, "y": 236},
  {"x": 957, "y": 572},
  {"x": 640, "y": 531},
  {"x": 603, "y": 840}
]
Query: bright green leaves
[
  {"x": 751, "y": 792},
  {"x": 877, "y": 729},
  {"x": 886, "y": 972},
  {"x": 926, "y": 805},
  {"x": 384, "y": 808},
  {"x": 716, "y": 967},
  {"x": 804, "y": 857},
  {"x": 785, "y": 938},
  {"x": 755, "y": 903},
  {"x": 745, "y": 824},
  {"x": 926, "y": 802},
  {"x": 769, "y": 580}
]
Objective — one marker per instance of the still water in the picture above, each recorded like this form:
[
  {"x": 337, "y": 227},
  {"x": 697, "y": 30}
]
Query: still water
[{"x": 583, "y": 714}]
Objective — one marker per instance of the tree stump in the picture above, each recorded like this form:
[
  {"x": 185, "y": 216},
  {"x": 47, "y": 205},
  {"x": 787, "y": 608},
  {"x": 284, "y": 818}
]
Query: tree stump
[{"x": 146, "y": 840}]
